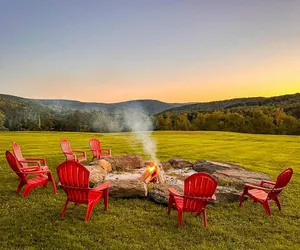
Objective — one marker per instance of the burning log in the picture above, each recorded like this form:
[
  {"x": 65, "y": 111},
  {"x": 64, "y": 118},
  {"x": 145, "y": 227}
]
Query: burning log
[{"x": 153, "y": 173}]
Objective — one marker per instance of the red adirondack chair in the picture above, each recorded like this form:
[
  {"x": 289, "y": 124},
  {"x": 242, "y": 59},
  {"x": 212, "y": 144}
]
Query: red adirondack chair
[
  {"x": 70, "y": 154},
  {"x": 199, "y": 189},
  {"x": 41, "y": 179},
  {"x": 39, "y": 162},
  {"x": 74, "y": 179},
  {"x": 263, "y": 194},
  {"x": 97, "y": 151}
]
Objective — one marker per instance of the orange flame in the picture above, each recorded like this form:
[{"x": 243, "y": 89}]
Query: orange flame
[{"x": 152, "y": 168}]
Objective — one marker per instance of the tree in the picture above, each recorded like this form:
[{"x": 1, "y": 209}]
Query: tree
[
  {"x": 76, "y": 121},
  {"x": 2, "y": 120},
  {"x": 168, "y": 125},
  {"x": 48, "y": 122},
  {"x": 182, "y": 122},
  {"x": 291, "y": 125},
  {"x": 198, "y": 122},
  {"x": 235, "y": 122}
]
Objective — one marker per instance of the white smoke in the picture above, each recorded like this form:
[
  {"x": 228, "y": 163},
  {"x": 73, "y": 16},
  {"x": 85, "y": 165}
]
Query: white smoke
[
  {"x": 133, "y": 119},
  {"x": 106, "y": 123},
  {"x": 139, "y": 122}
]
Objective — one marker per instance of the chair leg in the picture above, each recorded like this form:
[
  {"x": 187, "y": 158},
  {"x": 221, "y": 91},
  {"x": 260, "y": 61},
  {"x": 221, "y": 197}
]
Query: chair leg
[
  {"x": 267, "y": 207},
  {"x": 277, "y": 203},
  {"x": 50, "y": 177},
  {"x": 64, "y": 209},
  {"x": 242, "y": 196},
  {"x": 180, "y": 217},
  {"x": 21, "y": 184},
  {"x": 89, "y": 211},
  {"x": 205, "y": 218},
  {"x": 27, "y": 190},
  {"x": 105, "y": 194},
  {"x": 170, "y": 204}
]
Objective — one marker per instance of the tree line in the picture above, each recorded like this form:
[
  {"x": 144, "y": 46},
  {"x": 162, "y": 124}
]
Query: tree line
[
  {"x": 15, "y": 116},
  {"x": 255, "y": 120},
  {"x": 25, "y": 119}
]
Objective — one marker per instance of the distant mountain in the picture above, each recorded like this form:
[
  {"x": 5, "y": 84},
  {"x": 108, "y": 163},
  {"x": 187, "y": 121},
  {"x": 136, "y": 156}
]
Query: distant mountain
[
  {"x": 248, "y": 115},
  {"x": 290, "y": 103},
  {"x": 150, "y": 106},
  {"x": 10, "y": 101}
]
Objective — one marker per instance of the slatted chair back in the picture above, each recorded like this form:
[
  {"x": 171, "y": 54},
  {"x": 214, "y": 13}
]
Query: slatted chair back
[
  {"x": 95, "y": 147},
  {"x": 282, "y": 180},
  {"x": 66, "y": 149},
  {"x": 18, "y": 154},
  {"x": 13, "y": 163},
  {"x": 198, "y": 190},
  {"x": 74, "y": 179}
]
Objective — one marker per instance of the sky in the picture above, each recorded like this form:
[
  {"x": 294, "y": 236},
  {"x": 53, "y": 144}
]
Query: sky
[{"x": 174, "y": 51}]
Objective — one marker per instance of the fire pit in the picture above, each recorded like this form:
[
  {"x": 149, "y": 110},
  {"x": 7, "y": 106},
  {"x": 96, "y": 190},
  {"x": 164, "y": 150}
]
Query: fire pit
[
  {"x": 130, "y": 176},
  {"x": 153, "y": 173}
]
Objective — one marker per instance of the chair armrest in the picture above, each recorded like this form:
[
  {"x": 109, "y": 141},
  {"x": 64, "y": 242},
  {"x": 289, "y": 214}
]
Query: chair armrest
[
  {"x": 257, "y": 187},
  {"x": 267, "y": 182},
  {"x": 80, "y": 151},
  {"x": 35, "y": 168},
  {"x": 108, "y": 151},
  {"x": 39, "y": 172},
  {"x": 68, "y": 153},
  {"x": 25, "y": 161},
  {"x": 101, "y": 187},
  {"x": 37, "y": 159},
  {"x": 174, "y": 192}
]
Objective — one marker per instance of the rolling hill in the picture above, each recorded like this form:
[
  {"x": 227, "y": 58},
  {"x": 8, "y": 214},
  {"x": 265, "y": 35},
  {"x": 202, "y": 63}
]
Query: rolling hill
[
  {"x": 249, "y": 115},
  {"x": 149, "y": 106},
  {"x": 290, "y": 103}
]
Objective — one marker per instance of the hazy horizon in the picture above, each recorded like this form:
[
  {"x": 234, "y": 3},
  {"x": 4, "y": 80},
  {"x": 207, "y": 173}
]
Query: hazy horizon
[
  {"x": 172, "y": 51},
  {"x": 151, "y": 99}
]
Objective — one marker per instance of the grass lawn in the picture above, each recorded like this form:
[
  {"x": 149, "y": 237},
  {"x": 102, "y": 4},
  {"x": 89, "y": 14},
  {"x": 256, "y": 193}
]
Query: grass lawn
[{"x": 35, "y": 223}]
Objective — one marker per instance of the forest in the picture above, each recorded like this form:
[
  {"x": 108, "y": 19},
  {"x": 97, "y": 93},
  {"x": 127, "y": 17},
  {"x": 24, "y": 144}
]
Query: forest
[
  {"x": 254, "y": 116},
  {"x": 255, "y": 120}
]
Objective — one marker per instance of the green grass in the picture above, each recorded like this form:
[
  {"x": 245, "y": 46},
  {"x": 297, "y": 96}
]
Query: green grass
[{"x": 35, "y": 223}]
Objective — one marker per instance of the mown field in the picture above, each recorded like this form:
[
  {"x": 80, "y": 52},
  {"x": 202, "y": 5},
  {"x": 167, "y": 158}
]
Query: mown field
[{"x": 35, "y": 223}]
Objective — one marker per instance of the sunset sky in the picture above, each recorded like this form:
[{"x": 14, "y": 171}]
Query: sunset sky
[{"x": 174, "y": 51}]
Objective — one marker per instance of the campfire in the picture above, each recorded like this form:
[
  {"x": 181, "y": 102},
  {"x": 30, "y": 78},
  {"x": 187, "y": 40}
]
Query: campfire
[{"x": 152, "y": 173}]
